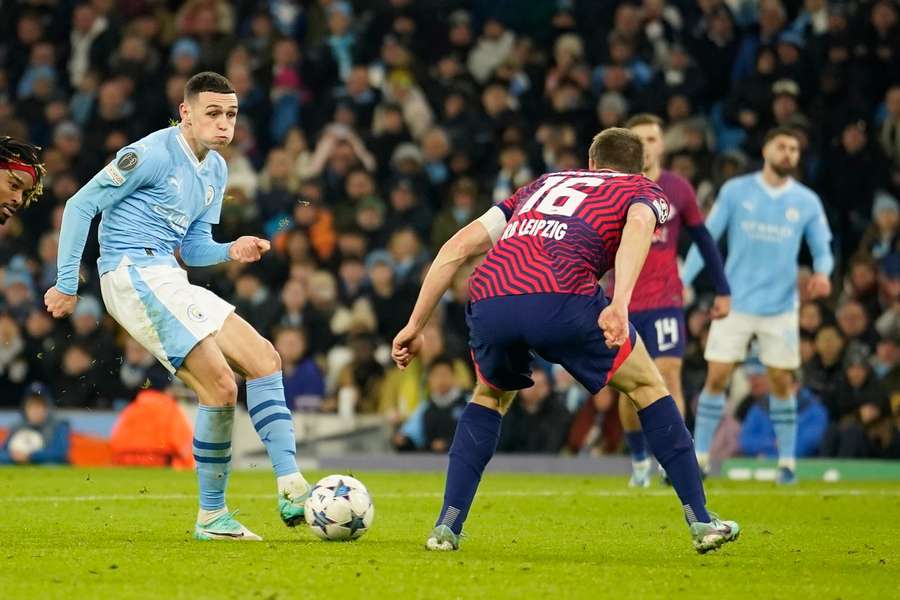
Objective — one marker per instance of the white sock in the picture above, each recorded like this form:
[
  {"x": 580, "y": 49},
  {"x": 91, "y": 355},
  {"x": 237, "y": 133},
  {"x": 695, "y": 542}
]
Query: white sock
[
  {"x": 292, "y": 486},
  {"x": 205, "y": 517},
  {"x": 703, "y": 460}
]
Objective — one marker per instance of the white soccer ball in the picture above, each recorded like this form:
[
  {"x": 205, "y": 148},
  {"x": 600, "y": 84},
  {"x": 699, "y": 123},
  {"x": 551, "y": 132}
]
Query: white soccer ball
[
  {"x": 26, "y": 441},
  {"x": 339, "y": 508}
]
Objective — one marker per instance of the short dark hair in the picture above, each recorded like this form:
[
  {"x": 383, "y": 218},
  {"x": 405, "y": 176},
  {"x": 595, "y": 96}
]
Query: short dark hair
[
  {"x": 619, "y": 149},
  {"x": 644, "y": 119},
  {"x": 206, "y": 81},
  {"x": 781, "y": 130}
]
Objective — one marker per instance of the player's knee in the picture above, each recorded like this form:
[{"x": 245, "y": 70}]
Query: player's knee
[
  {"x": 266, "y": 361},
  {"x": 224, "y": 388}
]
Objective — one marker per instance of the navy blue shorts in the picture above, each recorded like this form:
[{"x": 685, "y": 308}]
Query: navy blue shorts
[
  {"x": 560, "y": 328},
  {"x": 662, "y": 330}
]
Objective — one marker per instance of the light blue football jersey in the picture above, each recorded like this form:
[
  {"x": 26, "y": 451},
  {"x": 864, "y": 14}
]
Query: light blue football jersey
[
  {"x": 153, "y": 194},
  {"x": 764, "y": 228}
]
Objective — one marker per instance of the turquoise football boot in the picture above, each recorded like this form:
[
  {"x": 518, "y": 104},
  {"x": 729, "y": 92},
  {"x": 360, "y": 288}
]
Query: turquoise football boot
[
  {"x": 225, "y": 527},
  {"x": 292, "y": 509},
  {"x": 442, "y": 538}
]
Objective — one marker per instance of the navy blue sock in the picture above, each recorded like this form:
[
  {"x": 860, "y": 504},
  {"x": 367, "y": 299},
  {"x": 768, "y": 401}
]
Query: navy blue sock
[
  {"x": 473, "y": 446},
  {"x": 636, "y": 444},
  {"x": 671, "y": 443}
]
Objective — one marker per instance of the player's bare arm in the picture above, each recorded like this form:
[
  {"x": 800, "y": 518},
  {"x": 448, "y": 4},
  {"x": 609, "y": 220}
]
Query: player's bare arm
[
  {"x": 636, "y": 237},
  {"x": 470, "y": 241}
]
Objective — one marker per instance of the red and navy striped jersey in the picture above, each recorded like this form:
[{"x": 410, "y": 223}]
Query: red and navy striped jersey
[{"x": 562, "y": 233}]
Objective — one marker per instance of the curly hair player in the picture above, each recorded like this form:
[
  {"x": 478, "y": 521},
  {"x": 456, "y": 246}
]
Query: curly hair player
[
  {"x": 536, "y": 291},
  {"x": 162, "y": 193},
  {"x": 22, "y": 180}
]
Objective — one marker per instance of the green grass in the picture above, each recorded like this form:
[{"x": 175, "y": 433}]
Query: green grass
[{"x": 104, "y": 533}]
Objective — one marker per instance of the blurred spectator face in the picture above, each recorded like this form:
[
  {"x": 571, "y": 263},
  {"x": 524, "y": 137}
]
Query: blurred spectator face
[
  {"x": 370, "y": 217},
  {"x": 358, "y": 80},
  {"x": 829, "y": 345},
  {"x": 534, "y": 397},
  {"x": 788, "y": 53},
  {"x": 892, "y": 101},
  {"x": 810, "y": 317},
  {"x": 135, "y": 354},
  {"x": 293, "y": 296},
  {"x": 759, "y": 383},
  {"x": 352, "y": 273},
  {"x": 856, "y": 374},
  {"x": 295, "y": 142},
  {"x": 615, "y": 78},
  {"x": 279, "y": 164},
  {"x": 42, "y": 53},
  {"x": 651, "y": 136},
  {"x": 47, "y": 247},
  {"x": 887, "y": 352},
  {"x": 853, "y": 138},
  {"x": 884, "y": 17},
  {"x": 782, "y": 154},
  {"x": 441, "y": 379},
  {"x": 64, "y": 186},
  {"x": 285, "y": 52},
  {"x": 678, "y": 108},
  {"x": 493, "y": 29},
  {"x": 76, "y": 361},
  {"x": 39, "y": 324},
  {"x": 205, "y": 22},
  {"x": 9, "y": 331},
  {"x": 852, "y": 319},
  {"x": 342, "y": 158},
  {"x": 620, "y": 51},
  {"x": 627, "y": 20},
  {"x": 352, "y": 243},
  {"x": 512, "y": 158},
  {"x": 322, "y": 290},
  {"x": 359, "y": 184},
  {"x": 133, "y": 49},
  {"x": 85, "y": 324},
  {"x": 684, "y": 165},
  {"x": 111, "y": 98},
  {"x": 807, "y": 349},
  {"x": 247, "y": 285},
  {"x": 175, "y": 89},
  {"x": 382, "y": 275},
  {"x": 69, "y": 143},
  {"x": 17, "y": 294},
  {"x": 241, "y": 79},
  {"x": 435, "y": 145},
  {"x": 863, "y": 277},
  {"x": 771, "y": 17},
  {"x": 36, "y": 410},
  {"x": 261, "y": 25},
  {"x": 460, "y": 34},
  {"x": 887, "y": 220},
  {"x": 290, "y": 345},
  {"x": 495, "y": 99},
  {"x": 404, "y": 245},
  {"x": 765, "y": 62},
  {"x": 392, "y": 120},
  {"x": 403, "y": 198},
  {"x": 83, "y": 18},
  {"x": 784, "y": 106},
  {"x": 29, "y": 30},
  {"x": 432, "y": 342},
  {"x": 298, "y": 247},
  {"x": 338, "y": 19},
  {"x": 454, "y": 105}
]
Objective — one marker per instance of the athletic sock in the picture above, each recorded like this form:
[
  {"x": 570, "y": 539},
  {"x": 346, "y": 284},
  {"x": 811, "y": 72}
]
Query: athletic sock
[
  {"x": 709, "y": 413},
  {"x": 212, "y": 453},
  {"x": 474, "y": 443},
  {"x": 670, "y": 442},
  {"x": 273, "y": 422},
  {"x": 783, "y": 412},
  {"x": 636, "y": 444}
]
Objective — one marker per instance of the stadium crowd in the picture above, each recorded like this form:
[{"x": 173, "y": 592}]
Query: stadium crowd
[{"x": 369, "y": 132}]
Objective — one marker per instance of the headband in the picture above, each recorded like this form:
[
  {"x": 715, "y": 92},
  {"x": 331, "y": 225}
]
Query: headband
[{"x": 17, "y": 166}]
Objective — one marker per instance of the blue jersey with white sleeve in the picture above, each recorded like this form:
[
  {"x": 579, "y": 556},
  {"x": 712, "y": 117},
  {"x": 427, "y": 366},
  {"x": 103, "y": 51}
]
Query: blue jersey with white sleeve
[
  {"x": 155, "y": 197},
  {"x": 764, "y": 227}
]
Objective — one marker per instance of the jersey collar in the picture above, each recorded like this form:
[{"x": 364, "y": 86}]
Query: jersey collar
[
  {"x": 774, "y": 192},
  {"x": 190, "y": 153}
]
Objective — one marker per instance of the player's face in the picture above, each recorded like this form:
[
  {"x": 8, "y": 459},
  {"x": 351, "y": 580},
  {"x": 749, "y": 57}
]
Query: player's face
[
  {"x": 212, "y": 117},
  {"x": 14, "y": 185},
  {"x": 651, "y": 136},
  {"x": 782, "y": 154}
]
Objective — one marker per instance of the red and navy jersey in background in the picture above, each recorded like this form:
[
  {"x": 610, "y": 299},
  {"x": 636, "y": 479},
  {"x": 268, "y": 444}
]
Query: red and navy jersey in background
[
  {"x": 562, "y": 233},
  {"x": 659, "y": 285}
]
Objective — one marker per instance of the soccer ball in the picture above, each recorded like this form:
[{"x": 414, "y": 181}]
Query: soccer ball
[
  {"x": 26, "y": 441},
  {"x": 339, "y": 508}
]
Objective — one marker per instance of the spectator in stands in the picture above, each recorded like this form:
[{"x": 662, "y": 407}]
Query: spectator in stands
[
  {"x": 432, "y": 425},
  {"x": 889, "y": 136},
  {"x": 304, "y": 385},
  {"x": 855, "y": 406},
  {"x": 883, "y": 236},
  {"x": 757, "y": 437},
  {"x": 40, "y": 438},
  {"x": 821, "y": 373},
  {"x": 139, "y": 370},
  {"x": 360, "y": 381},
  {"x": 537, "y": 422}
]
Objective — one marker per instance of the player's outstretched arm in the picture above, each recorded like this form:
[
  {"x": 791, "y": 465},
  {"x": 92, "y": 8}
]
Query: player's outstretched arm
[
  {"x": 475, "y": 238},
  {"x": 637, "y": 234}
]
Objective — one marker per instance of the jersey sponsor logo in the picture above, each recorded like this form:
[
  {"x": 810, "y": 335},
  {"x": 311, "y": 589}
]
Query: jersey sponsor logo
[
  {"x": 115, "y": 176},
  {"x": 175, "y": 183},
  {"x": 195, "y": 314},
  {"x": 660, "y": 236},
  {"x": 546, "y": 228},
  {"x": 128, "y": 161},
  {"x": 210, "y": 194},
  {"x": 792, "y": 215},
  {"x": 748, "y": 206},
  {"x": 766, "y": 232},
  {"x": 176, "y": 220}
]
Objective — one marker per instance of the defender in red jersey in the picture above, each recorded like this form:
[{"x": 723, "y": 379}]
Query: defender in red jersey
[
  {"x": 656, "y": 311},
  {"x": 537, "y": 292}
]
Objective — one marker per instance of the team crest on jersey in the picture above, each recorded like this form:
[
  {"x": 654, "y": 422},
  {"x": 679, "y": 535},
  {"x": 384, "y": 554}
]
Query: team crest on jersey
[
  {"x": 128, "y": 161},
  {"x": 210, "y": 193},
  {"x": 792, "y": 215},
  {"x": 662, "y": 209},
  {"x": 195, "y": 314}
]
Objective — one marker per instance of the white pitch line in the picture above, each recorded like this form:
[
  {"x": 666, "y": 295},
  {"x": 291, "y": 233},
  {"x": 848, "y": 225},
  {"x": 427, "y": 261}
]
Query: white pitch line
[{"x": 486, "y": 493}]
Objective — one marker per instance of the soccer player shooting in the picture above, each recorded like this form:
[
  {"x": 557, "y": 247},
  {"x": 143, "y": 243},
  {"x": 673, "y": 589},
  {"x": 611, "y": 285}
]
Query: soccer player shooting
[
  {"x": 766, "y": 215},
  {"x": 162, "y": 193},
  {"x": 536, "y": 291}
]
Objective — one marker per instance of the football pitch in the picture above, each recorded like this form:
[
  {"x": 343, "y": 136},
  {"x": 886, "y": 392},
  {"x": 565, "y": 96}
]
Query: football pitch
[{"x": 110, "y": 533}]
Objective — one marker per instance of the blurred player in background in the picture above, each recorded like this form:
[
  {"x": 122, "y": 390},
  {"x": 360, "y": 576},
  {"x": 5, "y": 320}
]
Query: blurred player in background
[
  {"x": 766, "y": 215},
  {"x": 163, "y": 193},
  {"x": 536, "y": 291},
  {"x": 21, "y": 176},
  {"x": 657, "y": 310}
]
